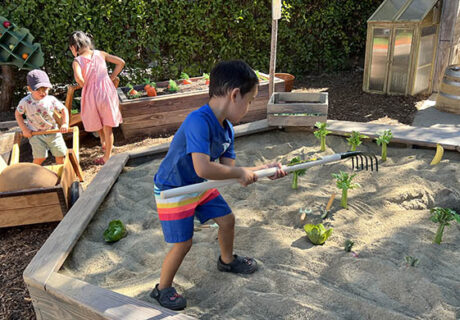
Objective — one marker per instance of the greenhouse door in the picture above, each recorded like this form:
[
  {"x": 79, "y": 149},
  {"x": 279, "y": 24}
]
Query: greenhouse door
[
  {"x": 379, "y": 59},
  {"x": 400, "y": 55}
]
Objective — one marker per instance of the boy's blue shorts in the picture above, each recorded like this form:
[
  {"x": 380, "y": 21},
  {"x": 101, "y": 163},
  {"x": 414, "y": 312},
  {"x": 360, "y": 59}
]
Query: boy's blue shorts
[{"x": 177, "y": 214}]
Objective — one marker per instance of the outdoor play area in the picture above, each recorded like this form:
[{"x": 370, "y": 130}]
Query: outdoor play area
[{"x": 359, "y": 102}]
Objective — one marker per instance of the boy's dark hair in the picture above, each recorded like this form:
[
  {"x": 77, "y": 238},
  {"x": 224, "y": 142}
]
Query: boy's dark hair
[
  {"x": 80, "y": 40},
  {"x": 229, "y": 75}
]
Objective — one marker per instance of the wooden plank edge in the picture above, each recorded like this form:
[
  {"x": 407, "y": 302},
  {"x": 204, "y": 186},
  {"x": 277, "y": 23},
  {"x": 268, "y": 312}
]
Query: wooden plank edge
[
  {"x": 29, "y": 191},
  {"x": 240, "y": 130},
  {"x": 105, "y": 302},
  {"x": 55, "y": 250},
  {"x": 373, "y": 135}
]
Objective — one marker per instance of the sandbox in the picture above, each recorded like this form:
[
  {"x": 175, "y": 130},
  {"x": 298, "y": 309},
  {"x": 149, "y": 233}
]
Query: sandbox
[{"x": 388, "y": 218}]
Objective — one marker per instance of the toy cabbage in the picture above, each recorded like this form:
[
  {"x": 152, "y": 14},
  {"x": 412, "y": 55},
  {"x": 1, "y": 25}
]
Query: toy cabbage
[
  {"x": 355, "y": 139},
  {"x": 383, "y": 140},
  {"x": 442, "y": 216},
  {"x": 172, "y": 86},
  {"x": 115, "y": 231},
  {"x": 321, "y": 134},
  {"x": 317, "y": 233}
]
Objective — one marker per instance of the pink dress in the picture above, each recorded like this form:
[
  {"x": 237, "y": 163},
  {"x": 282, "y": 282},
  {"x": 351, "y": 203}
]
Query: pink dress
[{"x": 99, "y": 99}]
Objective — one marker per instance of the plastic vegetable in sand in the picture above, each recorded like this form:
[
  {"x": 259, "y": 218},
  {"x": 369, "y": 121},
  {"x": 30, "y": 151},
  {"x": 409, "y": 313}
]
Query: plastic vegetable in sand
[
  {"x": 321, "y": 133},
  {"x": 384, "y": 140},
  {"x": 185, "y": 78},
  {"x": 442, "y": 216},
  {"x": 344, "y": 182},
  {"x": 296, "y": 174},
  {"x": 438, "y": 156},
  {"x": 115, "y": 231},
  {"x": 317, "y": 233},
  {"x": 411, "y": 261},
  {"x": 206, "y": 78},
  {"x": 355, "y": 139}
]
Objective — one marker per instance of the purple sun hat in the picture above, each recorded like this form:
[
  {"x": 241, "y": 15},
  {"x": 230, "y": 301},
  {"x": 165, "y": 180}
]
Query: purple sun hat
[{"x": 37, "y": 79}]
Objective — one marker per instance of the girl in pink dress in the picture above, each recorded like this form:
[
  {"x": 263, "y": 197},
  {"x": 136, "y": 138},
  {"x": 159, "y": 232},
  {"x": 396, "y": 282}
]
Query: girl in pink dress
[{"x": 99, "y": 100}]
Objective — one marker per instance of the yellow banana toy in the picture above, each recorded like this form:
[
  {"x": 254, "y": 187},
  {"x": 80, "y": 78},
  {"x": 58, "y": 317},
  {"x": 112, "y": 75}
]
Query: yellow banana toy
[{"x": 438, "y": 156}]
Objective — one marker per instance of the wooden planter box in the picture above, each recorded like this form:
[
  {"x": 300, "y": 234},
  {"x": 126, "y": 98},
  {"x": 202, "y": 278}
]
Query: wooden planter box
[
  {"x": 58, "y": 296},
  {"x": 299, "y": 109},
  {"x": 165, "y": 113}
]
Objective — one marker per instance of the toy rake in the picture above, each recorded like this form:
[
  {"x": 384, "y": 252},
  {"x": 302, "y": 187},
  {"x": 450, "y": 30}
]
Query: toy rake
[{"x": 360, "y": 161}]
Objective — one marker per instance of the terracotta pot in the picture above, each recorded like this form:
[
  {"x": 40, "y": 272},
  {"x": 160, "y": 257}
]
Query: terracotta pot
[{"x": 288, "y": 80}]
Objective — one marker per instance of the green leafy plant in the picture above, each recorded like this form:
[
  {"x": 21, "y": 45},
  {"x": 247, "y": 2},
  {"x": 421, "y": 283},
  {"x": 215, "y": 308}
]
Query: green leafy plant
[
  {"x": 206, "y": 77},
  {"x": 296, "y": 174},
  {"x": 443, "y": 216},
  {"x": 344, "y": 182},
  {"x": 348, "y": 244},
  {"x": 355, "y": 139},
  {"x": 115, "y": 231},
  {"x": 321, "y": 133},
  {"x": 411, "y": 261},
  {"x": 317, "y": 233},
  {"x": 172, "y": 86},
  {"x": 384, "y": 140}
]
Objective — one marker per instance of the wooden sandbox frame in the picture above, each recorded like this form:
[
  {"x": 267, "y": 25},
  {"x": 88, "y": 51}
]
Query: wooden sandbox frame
[{"x": 58, "y": 296}]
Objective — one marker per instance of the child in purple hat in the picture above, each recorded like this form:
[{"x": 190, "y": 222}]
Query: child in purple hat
[{"x": 38, "y": 108}]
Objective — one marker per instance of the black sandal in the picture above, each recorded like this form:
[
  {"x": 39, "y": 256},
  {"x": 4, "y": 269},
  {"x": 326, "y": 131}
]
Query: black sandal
[
  {"x": 169, "y": 298},
  {"x": 242, "y": 265}
]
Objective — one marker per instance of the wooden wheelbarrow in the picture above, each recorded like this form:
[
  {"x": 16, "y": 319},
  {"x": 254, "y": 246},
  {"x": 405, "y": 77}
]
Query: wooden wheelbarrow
[{"x": 48, "y": 204}]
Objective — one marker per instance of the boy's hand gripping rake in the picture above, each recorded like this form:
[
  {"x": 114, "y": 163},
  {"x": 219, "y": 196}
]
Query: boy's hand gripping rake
[{"x": 360, "y": 161}]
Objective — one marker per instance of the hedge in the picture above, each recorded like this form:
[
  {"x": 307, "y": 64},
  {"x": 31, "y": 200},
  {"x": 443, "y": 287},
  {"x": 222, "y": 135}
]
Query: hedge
[{"x": 167, "y": 37}]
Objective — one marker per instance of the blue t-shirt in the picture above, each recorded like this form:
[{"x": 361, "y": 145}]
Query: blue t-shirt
[{"x": 200, "y": 132}]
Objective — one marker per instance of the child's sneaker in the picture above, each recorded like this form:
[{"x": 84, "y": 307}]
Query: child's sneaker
[
  {"x": 169, "y": 298},
  {"x": 243, "y": 265}
]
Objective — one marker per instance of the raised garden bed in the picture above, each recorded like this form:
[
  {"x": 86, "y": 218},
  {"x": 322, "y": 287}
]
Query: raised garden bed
[
  {"x": 388, "y": 218},
  {"x": 164, "y": 113}
]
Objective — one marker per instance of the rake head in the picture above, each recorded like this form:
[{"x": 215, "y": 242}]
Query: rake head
[{"x": 362, "y": 160}]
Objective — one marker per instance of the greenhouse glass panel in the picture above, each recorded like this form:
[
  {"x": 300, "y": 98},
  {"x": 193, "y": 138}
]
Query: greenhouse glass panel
[
  {"x": 427, "y": 43},
  {"x": 380, "y": 42},
  {"x": 422, "y": 80},
  {"x": 401, "y": 58},
  {"x": 417, "y": 10},
  {"x": 388, "y": 10}
]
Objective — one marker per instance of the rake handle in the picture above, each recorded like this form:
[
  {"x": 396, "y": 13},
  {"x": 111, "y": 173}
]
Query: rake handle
[{"x": 210, "y": 184}]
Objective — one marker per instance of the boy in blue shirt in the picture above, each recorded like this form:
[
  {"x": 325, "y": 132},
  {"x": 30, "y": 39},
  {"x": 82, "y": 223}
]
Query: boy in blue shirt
[{"x": 203, "y": 149}]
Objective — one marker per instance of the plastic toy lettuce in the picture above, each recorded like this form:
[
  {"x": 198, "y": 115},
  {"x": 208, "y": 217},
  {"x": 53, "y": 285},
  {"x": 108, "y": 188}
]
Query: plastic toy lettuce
[
  {"x": 344, "y": 183},
  {"x": 317, "y": 233},
  {"x": 443, "y": 216},
  {"x": 172, "y": 86},
  {"x": 296, "y": 174},
  {"x": 115, "y": 231},
  {"x": 321, "y": 134},
  {"x": 383, "y": 140},
  {"x": 355, "y": 139}
]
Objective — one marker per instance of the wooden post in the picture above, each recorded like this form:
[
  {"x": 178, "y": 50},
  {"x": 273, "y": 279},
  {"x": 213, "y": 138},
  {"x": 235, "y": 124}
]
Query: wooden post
[
  {"x": 7, "y": 88},
  {"x": 276, "y": 14}
]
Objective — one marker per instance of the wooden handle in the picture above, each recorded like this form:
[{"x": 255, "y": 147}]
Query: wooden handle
[
  {"x": 210, "y": 184},
  {"x": 37, "y": 133},
  {"x": 329, "y": 203}
]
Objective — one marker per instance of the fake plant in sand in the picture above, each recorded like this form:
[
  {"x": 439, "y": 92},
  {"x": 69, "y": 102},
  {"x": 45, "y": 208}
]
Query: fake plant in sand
[
  {"x": 442, "y": 216},
  {"x": 344, "y": 182},
  {"x": 296, "y": 174},
  {"x": 321, "y": 133},
  {"x": 317, "y": 233},
  {"x": 355, "y": 139},
  {"x": 115, "y": 231},
  {"x": 383, "y": 140}
]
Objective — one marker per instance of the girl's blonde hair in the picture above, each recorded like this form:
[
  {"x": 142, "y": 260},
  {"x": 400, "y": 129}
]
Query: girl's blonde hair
[{"x": 81, "y": 40}]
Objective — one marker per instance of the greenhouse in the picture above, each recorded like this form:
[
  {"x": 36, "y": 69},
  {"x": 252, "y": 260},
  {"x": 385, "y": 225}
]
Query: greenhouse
[{"x": 401, "y": 46}]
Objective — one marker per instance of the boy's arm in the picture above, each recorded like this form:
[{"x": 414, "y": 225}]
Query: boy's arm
[
  {"x": 117, "y": 61},
  {"x": 25, "y": 131},
  {"x": 207, "y": 169},
  {"x": 279, "y": 174},
  {"x": 77, "y": 73}
]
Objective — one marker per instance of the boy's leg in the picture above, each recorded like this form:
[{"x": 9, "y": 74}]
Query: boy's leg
[
  {"x": 172, "y": 263},
  {"x": 39, "y": 149},
  {"x": 57, "y": 146},
  {"x": 226, "y": 235},
  {"x": 108, "y": 139}
]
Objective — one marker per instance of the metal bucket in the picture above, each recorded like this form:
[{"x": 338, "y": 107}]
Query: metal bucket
[{"x": 449, "y": 94}]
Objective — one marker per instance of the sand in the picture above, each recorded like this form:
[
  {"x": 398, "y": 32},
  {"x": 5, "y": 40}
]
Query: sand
[{"x": 388, "y": 218}]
